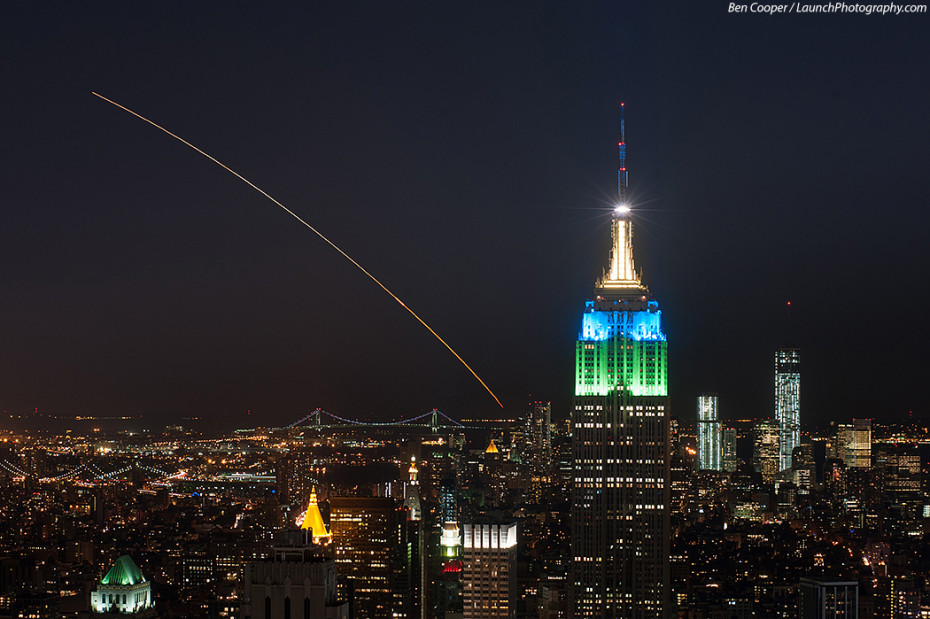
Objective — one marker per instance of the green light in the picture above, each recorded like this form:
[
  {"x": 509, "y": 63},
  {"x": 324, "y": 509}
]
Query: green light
[
  {"x": 638, "y": 368},
  {"x": 123, "y": 572}
]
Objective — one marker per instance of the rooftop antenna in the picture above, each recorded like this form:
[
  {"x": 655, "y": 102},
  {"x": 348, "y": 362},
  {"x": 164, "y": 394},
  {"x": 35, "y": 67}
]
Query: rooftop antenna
[
  {"x": 622, "y": 178},
  {"x": 788, "y": 342}
]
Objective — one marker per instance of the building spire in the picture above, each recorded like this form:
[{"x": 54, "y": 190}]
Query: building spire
[
  {"x": 622, "y": 178},
  {"x": 620, "y": 272},
  {"x": 313, "y": 521}
]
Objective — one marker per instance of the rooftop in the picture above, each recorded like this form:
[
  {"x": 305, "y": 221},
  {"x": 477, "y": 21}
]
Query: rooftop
[{"x": 123, "y": 572}]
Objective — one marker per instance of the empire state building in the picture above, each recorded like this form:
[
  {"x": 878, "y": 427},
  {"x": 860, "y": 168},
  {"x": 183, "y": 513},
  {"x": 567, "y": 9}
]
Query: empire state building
[{"x": 620, "y": 507}]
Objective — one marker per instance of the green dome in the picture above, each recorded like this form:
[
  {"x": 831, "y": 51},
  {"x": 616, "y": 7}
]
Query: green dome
[{"x": 123, "y": 572}]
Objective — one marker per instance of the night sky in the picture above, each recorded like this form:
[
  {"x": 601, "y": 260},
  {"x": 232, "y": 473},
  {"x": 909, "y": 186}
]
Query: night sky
[{"x": 466, "y": 154}]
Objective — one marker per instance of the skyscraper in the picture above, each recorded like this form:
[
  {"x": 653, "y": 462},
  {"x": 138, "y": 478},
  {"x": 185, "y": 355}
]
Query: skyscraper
[
  {"x": 787, "y": 403},
  {"x": 620, "y": 503},
  {"x": 730, "y": 457},
  {"x": 856, "y": 443},
  {"x": 537, "y": 451},
  {"x": 539, "y": 434},
  {"x": 708, "y": 434},
  {"x": 765, "y": 451},
  {"x": 804, "y": 467},
  {"x": 368, "y": 540},
  {"x": 489, "y": 578}
]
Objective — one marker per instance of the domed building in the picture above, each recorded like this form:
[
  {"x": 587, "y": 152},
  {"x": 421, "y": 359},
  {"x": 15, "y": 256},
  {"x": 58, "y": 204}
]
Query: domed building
[{"x": 123, "y": 590}]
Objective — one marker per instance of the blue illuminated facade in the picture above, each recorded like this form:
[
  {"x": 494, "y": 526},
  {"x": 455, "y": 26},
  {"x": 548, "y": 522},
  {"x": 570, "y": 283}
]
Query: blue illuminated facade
[
  {"x": 621, "y": 348},
  {"x": 639, "y": 326}
]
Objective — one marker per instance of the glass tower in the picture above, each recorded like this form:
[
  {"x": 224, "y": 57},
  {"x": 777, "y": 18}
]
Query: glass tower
[
  {"x": 787, "y": 403},
  {"x": 853, "y": 443},
  {"x": 708, "y": 434},
  {"x": 620, "y": 503},
  {"x": 766, "y": 449},
  {"x": 730, "y": 459}
]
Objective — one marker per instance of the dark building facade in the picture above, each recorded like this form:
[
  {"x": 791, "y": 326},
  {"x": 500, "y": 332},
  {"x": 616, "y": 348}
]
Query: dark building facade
[{"x": 372, "y": 550}]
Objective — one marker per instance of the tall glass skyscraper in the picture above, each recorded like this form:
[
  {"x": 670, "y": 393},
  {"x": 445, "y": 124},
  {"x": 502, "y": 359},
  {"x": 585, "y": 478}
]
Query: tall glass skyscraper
[
  {"x": 787, "y": 403},
  {"x": 708, "y": 434},
  {"x": 620, "y": 503}
]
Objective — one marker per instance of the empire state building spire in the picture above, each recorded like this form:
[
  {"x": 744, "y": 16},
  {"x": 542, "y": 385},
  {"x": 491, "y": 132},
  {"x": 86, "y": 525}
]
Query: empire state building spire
[
  {"x": 622, "y": 178},
  {"x": 620, "y": 273}
]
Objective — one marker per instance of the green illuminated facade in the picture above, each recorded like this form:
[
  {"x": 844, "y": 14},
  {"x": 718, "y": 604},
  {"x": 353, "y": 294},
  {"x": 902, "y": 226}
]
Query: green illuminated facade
[{"x": 621, "y": 364}]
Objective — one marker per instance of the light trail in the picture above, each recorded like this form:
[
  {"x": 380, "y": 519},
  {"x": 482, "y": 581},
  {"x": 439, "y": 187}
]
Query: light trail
[{"x": 314, "y": 230}]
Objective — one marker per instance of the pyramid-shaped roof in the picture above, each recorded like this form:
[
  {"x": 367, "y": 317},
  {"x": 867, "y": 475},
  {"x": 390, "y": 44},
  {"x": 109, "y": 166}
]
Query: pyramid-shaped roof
[
  {"x": 313, "y": 519},
  {"x": 492, "y": 448},
  {"x": 124, "y": 572}
]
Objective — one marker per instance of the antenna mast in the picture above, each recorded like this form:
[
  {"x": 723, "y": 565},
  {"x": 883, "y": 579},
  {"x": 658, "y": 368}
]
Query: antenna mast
[{"x": 622, "y": 178}]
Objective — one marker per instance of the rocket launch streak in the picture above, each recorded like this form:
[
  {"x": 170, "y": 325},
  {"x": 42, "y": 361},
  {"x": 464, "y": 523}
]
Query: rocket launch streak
[{"x": 314, "y": 230}]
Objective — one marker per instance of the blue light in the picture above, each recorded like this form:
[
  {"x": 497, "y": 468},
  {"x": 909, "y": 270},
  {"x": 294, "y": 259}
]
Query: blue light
[{"x": 643, "y": 326}]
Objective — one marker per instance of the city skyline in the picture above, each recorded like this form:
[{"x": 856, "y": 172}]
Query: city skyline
[{"x": 141, "y": 282}]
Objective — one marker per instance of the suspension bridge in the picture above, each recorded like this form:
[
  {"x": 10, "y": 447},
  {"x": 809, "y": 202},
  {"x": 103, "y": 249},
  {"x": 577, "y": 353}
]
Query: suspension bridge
[
  {"x": 432, "y": 422},
  {"x": 435, "y": 421},
  {"x": 90, "y": 471}
]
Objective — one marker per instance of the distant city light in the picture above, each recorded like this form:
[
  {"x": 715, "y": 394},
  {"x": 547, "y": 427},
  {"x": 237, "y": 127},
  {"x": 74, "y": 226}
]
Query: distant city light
[{"x": 622, "y": 209}]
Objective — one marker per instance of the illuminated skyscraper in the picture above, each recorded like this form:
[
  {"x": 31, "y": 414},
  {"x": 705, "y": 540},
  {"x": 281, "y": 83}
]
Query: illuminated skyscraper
[
  {"x": 538, "y": 433},
  {"x": 620, "y": 503},
  {"x": 369, "y": 541},
  {"x": 416, "y": 576},
  {"x": 855, "y": 442},
  {"x": 766, "y": 449},
  {"x": 448, "y": 588},
  {"x": 537, "y": 451},
  {"x": 804, "y": 467},
  {"x": 489, "y": 577},
  {"x": 708, "y": 434},
  {"x": 412, "y": 493},
  {"x": 730, "y": 458},
  {"x": 787, "y": 403}
]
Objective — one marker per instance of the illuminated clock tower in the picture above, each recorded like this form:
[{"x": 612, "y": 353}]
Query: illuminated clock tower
[{"x": 620, "y": 507}]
